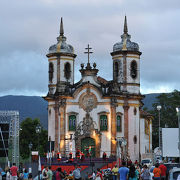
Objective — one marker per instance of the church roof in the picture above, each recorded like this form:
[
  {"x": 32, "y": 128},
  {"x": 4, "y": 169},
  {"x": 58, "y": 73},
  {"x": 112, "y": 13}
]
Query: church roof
[
  {"x": 102, "y": 80},
  {"x": 145, "y": 114},
  {"x": 61, "y": 46},
  {"x": 126, "y": 44}
]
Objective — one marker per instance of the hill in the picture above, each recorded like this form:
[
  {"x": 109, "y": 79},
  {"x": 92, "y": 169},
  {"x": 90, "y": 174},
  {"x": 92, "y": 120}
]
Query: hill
[
  {"x": 150, "y": 99},
  {"x": 28, "y": 106},
  {"x": 36, "y": 106}
]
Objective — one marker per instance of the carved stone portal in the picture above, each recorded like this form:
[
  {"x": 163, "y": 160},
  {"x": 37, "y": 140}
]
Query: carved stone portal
[{"x": 86, "y": 128}]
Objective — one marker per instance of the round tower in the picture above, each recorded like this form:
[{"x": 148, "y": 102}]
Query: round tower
[
  {"x": 61, "y": 59},
  {"x": 126, "y": 63}
]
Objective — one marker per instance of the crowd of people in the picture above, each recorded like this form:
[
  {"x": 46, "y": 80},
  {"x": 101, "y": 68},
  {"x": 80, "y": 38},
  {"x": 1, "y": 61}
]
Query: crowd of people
[
  {"x": 13, "y": 173},
  {"x": 126, "y": 171}
]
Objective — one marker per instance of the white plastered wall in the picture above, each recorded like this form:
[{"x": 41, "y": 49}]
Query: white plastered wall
[
  {"x": 144, "y": 139},
  {"x": 133, "y": 130},
  {"x": 51, "y": 121}
]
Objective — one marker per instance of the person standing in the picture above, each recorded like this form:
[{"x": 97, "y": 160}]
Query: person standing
[
  {"x": 157, "y": 172},
  {"x": 145, "y": 174},
  {"x": 98, "y": 175},
  {"x": 14, "y": 171},
  {"x": 50, "y": 173},
  {"x": 115, "y": 172},
  {"x": 59, "y": 174},
  {"x": 123, "y": 171},
  {"x": 25, "y": 175},
  {"x": 163, "y": 169},
  {"x": 133, "y": 173},
  {"x": 77, "y": 173},
  {"x": 45, "y": 173}
]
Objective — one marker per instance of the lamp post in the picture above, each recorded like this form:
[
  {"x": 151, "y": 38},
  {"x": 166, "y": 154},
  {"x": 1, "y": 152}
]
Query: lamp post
[
  {"x": 178, "y": 114},
  {"x": 30, "y": 147},
  {"x": 38, "y": 131},
  {"x": 159, "y": 109}
]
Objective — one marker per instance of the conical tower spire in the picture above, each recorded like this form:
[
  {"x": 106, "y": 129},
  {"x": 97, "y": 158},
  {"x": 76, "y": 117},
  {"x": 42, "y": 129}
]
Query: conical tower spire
[
  {"x": 125, "y": 26},
  {"x": 61, "y": 28}
]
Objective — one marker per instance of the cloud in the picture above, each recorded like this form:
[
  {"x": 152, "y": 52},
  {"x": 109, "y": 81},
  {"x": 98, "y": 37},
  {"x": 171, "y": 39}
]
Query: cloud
[{"x": 29, "y": 28}]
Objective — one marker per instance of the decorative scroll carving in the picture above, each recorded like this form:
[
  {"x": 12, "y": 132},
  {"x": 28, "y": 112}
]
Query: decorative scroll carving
[{"x": 86, "y": 127}]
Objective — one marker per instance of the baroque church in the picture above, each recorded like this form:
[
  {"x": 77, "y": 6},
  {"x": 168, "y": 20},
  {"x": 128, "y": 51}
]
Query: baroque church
[{"x": 95, "y": 113}]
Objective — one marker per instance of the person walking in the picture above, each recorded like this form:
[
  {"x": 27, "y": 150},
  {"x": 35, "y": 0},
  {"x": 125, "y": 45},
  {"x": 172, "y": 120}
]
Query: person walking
[
  {"x": 115, "y": 172},
  {"x": 14, "y": 171},
  {"x": 50, "y": 173},
  {"x": 157, "y": 172},
  {"x": 25, "y": 175},
  {"x": 133, "y": 173},
  {"x": 163, "y": 169},
  {"x": 145, "y": 174},
  {"x": 59, "y": 174},
  {"x": 123, "y": 171},
  {"x": 77, "y": 173},
  {"x": 8, "y": 174}
]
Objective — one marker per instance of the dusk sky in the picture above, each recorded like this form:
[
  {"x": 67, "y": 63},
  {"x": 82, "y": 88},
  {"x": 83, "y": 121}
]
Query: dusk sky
[{"x": 29, "y": 28}]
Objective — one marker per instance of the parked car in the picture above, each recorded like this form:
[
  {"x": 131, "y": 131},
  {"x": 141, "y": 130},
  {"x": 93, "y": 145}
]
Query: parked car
[
  {"x": 173, "y": 173},
  {"x": 169, "y": 167},
  {"x": 148, "y": 162}
]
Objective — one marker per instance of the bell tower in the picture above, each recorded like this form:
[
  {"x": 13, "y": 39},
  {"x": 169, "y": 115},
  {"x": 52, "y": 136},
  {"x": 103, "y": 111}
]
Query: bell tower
[
  {"x": 126, "y": 63},
  {"x": 61, "y": 59}
]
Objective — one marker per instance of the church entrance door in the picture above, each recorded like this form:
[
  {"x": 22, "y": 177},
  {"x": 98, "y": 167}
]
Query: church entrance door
[{"x": 88, "y": 146}]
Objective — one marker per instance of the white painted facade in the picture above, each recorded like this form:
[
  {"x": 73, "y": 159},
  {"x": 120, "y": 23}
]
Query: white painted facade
[{"x": 93, "y": 97}]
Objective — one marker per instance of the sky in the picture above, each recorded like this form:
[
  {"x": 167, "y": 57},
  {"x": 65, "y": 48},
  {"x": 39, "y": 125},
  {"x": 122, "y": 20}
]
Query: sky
[{"x": 29, "y": 28}]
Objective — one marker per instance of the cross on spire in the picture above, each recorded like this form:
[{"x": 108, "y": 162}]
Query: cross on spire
[{"x": 88, "y": 52}]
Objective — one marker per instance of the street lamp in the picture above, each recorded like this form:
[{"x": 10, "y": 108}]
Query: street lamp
[
  {"x": 178, "y": 114},
  {"x": 30, "y": 147},
  {"x": 38, "y": 131},
  {"x": 159, "y": 109}
]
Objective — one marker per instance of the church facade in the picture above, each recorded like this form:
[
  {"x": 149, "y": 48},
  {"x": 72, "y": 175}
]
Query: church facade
[{"x": 94, "y": 114}]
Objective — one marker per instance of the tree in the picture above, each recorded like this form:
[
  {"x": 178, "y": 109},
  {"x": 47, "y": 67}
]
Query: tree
[
  {"x": 168, "y": 115},
  {"x": 28, "y": 135}
]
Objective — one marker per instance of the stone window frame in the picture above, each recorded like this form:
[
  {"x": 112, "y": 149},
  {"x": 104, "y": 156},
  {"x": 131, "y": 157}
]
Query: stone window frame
[
  {"x": 116, "y": 69},
  {"x": 133, "y": 69},
  {"x": 105, "y": 127},
  {"x": 72, "y": 114},
  {"x": 120, "y": 127},
  {"x": 51, "y": 71},
  {"x": 67, "y": 75}
]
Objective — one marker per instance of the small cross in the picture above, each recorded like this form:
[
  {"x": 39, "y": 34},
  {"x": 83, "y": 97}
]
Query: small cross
[{"x": 88, "y": 52}]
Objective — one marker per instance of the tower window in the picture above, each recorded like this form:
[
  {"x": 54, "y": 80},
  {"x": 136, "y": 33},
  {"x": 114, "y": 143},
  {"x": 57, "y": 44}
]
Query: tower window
[
  {"x": 51, "y": 70},
  {"x": 133, "y": 69},
  {"x": 119, "y": 123},
  {"x": 67, "y": 70},
  {"x": 103, "y": 123},
  {"x": 116, "y": 70},
  {"x": 72, "y": 122}
]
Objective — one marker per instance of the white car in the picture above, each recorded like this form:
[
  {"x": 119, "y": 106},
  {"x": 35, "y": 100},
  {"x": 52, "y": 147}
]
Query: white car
[
  {"x": 174, "y": 173},
  {"x": 148, "y": 162}
]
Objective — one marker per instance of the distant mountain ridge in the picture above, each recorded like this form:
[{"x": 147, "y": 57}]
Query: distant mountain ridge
[
  {"x": 28, "y": 106},
  {"x": 36, "y": 106}
]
